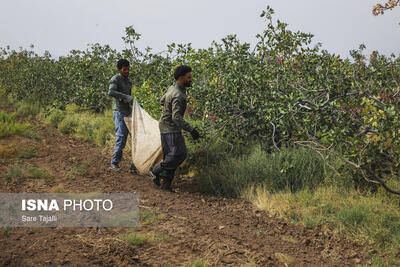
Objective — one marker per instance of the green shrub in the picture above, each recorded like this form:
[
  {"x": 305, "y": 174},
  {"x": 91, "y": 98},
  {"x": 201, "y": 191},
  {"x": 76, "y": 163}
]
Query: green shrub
[
  {"x": 140, "y": 239},
  {"x": 69, "y": 124},
  {"x": 92, "y": 127},
  {"x": 15, "y": 172},
  {"x": 85, "y": 128},
  {"x": 203, "y": 154},
  {"x": 291, "y": 169},
  {"x": 30, "y": 172},
  {"x": 196, "y": 263},
  {"x": 4, "y": 98},
  {"x": 9, "y": 126},
  {"x": 355, "y": 216},
  {"x": 80, "y": 169},
  {"x": 55, "y": 117},
  {"x": 95, "y": 127},
  {"x": 85, "y": 131},
  {"x": 37, "y": 172},
  {"x": 27, "y": 153},
  {"x": 103, "y": 134},
  {"x": 103, "y": 128},
  {"x": 147, "y": 217},
  {"x": 341, "y": 175},
  {"x": 378, "y": 261},
  {"x": 26, "y": 108},
  {"x": 73, "y": 108},
  {"x": 295, "y": 169}
]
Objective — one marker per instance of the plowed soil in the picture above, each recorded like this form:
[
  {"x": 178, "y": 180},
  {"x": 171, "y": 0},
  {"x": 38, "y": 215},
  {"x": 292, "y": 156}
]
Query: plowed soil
[{"x": 196, "y": 228}]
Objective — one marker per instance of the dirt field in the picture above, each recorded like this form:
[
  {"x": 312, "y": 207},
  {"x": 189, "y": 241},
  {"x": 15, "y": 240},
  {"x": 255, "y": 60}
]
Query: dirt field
[{"x": 195, "y": 228}]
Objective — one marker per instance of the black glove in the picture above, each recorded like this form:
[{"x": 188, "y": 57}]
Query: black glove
[
  {"x": 129, "y": 99},
  {"x": 195, "y": 134}
]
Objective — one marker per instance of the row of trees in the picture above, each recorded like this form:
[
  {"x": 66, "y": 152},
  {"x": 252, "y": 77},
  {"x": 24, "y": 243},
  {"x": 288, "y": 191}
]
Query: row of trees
[{"x": 282, "y": 92}]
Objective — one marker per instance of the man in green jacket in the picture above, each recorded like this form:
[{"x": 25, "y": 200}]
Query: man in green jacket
[
  {"x": 120, "y": 89},
  {"x": 171, "y": 125}
]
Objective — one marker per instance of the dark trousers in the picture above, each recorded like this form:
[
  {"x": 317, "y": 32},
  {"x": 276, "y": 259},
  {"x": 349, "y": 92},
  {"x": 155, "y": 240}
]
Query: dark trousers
[{"x": 174, "y": 153}]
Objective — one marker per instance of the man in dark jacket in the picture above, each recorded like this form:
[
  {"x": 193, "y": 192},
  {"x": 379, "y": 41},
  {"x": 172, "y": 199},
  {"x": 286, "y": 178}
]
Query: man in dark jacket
[
  {"x": 171, "y": 125},
  {"x": 120, "y": 89}
]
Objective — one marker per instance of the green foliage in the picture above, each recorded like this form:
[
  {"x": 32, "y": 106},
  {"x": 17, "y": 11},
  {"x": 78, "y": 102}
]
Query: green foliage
[
  {"x": 381, "y": 262},
  {"x": 291, "y": 169},
  {"x": 149, "y": 98},
  {"x": 69, "y": 124},
  {"x": 27, "y": 153},
  {"x": 72, "y": 108},
  {"x": 367, "y": 218},
  {"x": 141, "y": 239},
  {"x": 29, "y": 172},
  {"x": 355, "y": 216},
  {"x": 281, "y": 92},
  {"x": 55, "y": 116},
  {"x": 340, "y": 175},
  {"x": 37, "y": 173},
  {"x": 15, "y": 172},
  {"x": 147, "y": 217},
  {"x": 93, "y": 127},
  {"x": 372, "y": 222},
  {"x": 9, "y": 126},
  {"x": 81, "y": 77},
  {"x": 136, "y": 239},
  {"x": 103, "y": 128},
  {"x": 196, "y": 263},
  {"x": 85, "y": 131},
  {"x": 103, "y": 134},
  {"x": 80, "y": 169},
  {"x": 27, "y": 108}
]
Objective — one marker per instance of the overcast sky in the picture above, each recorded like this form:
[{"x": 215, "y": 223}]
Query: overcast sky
[{"x": 62, "y": 25}]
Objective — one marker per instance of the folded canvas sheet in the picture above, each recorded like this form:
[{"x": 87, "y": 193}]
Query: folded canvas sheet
[{"x": 146, "y": 140}]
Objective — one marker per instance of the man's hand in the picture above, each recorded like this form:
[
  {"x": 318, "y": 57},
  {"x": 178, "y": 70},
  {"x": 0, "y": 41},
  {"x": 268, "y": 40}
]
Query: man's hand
[
  {"x": 195, "y": 134},
  {"x": 129, "y": 99}
]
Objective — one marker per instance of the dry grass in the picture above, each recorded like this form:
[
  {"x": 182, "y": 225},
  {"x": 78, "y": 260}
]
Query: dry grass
[
  {"x": 366, "y": 218},
  {"x": 148, "y": 217},
  {"x": 284, "y": 258},
  {"x": 58, "y": 189},
  {"x": 7, "y": 150},
  {"x": 276, "y": 204},
  {"x": 197, "y": 263},
  {"x": 30, "y": 172},
  {"x": 141, "y": 239}
]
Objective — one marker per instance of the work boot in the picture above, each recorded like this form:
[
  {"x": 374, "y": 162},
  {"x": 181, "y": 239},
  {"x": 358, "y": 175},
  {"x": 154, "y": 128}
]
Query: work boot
[
  {"x": 166, "y": 185},
  {"x": 155, "y": 176},
  {"x": 115, "y": 167}
]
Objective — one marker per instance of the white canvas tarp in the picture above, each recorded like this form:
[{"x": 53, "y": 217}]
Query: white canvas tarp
[{"x": 146, "y": 141}]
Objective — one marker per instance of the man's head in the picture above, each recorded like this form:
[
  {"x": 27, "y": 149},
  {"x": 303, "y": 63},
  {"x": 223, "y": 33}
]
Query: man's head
[
  {"x": 183, "y": 75},
  {"x": 123, "y": 67}
]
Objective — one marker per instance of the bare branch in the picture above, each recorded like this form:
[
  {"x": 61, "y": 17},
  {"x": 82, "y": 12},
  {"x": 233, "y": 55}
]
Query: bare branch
[
  {"x": 389, "y": 5},
  {"x": 273, "y": 135},
  {"x": 367, "y": 130},
  {"x": 377, "y": 100}
]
